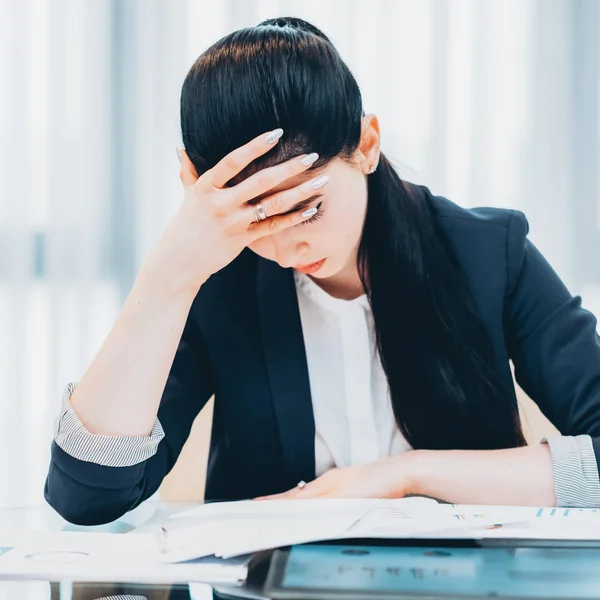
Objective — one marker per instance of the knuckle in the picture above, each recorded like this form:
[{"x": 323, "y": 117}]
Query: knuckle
[
  {"x": 231, "y": 162},
  {"x": 298, "y": 194},
  {"x": 293, "y": 167},
  {"x": 262, "y": 180},
  {"x": 220, "y": 213},
  {"x": 217, "y": 208},
  {"x": 276, "y": 204},
  {"x": 273, "y": 225}
]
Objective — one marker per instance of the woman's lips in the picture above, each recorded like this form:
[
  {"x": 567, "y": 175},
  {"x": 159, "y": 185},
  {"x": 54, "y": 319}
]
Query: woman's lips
[{"x": 312, "y": 268}]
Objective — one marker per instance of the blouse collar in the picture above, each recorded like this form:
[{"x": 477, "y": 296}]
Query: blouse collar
[{"x": 318, "y": 295}]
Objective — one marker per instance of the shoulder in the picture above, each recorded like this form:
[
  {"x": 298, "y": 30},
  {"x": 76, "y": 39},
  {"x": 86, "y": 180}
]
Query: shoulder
[
  {"x": 481, "y": 218},
  {"x": 494, "y": 237}
]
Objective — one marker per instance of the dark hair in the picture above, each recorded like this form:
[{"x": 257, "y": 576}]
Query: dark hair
[{"x": 435, "y": 351}]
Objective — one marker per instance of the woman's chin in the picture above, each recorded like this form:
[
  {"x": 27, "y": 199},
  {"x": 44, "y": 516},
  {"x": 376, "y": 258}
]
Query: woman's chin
[{"x": 329, "y": 269}]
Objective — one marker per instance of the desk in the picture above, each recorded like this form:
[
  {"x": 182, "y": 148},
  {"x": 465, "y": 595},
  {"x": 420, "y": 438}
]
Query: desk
[
  {"x": 44, "y": 518},
  {"x": 526, "y": 567}
]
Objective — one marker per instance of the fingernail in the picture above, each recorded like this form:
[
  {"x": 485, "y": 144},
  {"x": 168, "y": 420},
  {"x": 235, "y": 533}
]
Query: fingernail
[
  {"x": 309, "y": 212},
  {"x": 178, "y": 150},
  {"x": 273, "y": 136},
  {"x": 309, "y": 159},
  {"x": 320, "y": 182}
]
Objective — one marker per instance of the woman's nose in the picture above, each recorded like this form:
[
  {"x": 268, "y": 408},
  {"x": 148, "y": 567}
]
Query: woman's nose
[{"x": 290, "y": 255}]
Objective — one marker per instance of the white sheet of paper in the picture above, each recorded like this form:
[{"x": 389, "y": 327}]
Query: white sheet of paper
[
  {"x": 232, "y": 528},
  {"x": 259, "y": 508},
  {"x": 228, "y": 529},
  {"x": 528, "y": 522},
  {"x": 81, "y": 556}
]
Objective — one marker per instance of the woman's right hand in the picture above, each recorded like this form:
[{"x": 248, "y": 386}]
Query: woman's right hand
[{"x": 215, "y": 223}]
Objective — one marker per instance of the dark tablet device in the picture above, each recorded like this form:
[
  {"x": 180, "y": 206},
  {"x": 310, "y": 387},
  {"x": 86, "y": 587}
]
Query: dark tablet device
[{"x": 428, "y": 571}]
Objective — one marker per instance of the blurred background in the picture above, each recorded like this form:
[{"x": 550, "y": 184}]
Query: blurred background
[{"x": 487, "y": 102}]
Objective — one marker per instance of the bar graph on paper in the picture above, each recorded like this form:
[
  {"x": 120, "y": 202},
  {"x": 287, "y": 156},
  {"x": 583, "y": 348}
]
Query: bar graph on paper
[
  {"x": 477, "y": 514},
  {"x": 567, "y": 512}
]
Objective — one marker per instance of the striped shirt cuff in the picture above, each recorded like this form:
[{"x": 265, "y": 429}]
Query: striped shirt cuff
[
  {"x": 107, "y": 450},
  {"x": 576, "y": 479}
]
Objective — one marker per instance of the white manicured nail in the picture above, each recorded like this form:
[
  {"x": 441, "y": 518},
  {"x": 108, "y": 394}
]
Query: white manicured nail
[
  {"x": 272, "y": 137},
  {"x": 320, "y": 182},
  {"x": 309, "y": 212},
  {"x": 309, "y": 159}
]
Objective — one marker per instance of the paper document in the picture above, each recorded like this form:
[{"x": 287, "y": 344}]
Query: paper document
[
  {"x": 79, "y": 556},
  {"x": 529, "y": 522},
  {"x": 192, "y": 545},
  {"x": 230, "y": 528}
]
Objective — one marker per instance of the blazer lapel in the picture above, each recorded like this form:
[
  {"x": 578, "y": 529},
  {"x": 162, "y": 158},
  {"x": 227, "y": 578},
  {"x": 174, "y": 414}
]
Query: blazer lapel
[{"x": 285, "y": 356}]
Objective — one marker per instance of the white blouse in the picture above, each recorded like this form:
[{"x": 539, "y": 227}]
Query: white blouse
[{"x": 350, "y": 395}]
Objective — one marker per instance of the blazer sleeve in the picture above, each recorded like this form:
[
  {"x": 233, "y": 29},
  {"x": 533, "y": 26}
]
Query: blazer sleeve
[
  {"x": 109, "y": 450},
  {"x": 88, "y": 493},
  {"x": 555, "y": 349}
]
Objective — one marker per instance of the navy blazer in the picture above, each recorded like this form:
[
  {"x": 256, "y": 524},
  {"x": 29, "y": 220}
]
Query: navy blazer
[{"x": 243, "y": 343}]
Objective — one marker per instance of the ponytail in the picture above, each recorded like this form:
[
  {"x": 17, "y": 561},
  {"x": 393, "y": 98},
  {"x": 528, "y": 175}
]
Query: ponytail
[{"x": 435, "y": 350}]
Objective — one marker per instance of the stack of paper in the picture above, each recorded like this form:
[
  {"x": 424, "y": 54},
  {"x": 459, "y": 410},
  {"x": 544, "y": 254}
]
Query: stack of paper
[
  {"x": 234, "y": 528},
  {"x": 198, "y": 544},
  {"x": 86, "y": 556}
]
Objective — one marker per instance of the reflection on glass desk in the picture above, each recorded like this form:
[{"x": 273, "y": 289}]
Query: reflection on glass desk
[
  {"x": 44, "y": 518},
  {"x": 40, "y": 590}
]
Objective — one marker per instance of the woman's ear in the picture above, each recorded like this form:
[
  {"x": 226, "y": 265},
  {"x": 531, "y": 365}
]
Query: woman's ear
[{"x": 369, "y": 145}]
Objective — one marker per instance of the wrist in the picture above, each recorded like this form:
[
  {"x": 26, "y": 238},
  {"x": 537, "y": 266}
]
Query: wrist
[
  {"x": 161, "y": 273},
  {"x": 418, "y": 472},
  {"x": 168, "y": 285}
]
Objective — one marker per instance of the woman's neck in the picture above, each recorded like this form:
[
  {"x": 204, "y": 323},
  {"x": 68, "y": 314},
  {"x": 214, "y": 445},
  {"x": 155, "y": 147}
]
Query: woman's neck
[{"x": 346, "y": 284}]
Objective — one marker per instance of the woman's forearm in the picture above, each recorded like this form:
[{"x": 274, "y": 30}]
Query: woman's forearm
[
  {"x": 121, "y": 391},
  {"x": 518, "y": 476}
]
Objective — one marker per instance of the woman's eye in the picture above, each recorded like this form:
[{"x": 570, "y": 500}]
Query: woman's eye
[{"x": 316, "y": 216}]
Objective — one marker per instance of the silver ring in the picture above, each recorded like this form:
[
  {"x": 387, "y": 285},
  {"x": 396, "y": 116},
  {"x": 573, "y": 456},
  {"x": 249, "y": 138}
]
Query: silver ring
[
  {"x": 259, "y": 212},
  {"x": 301, "y": 484}
]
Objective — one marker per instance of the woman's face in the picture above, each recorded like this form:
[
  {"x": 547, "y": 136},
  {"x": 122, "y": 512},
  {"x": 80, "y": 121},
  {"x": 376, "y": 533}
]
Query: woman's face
[{"x": 332, "y": 236}]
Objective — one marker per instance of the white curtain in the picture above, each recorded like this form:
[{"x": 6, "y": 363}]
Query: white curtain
[{"x": 488, "y": 102}]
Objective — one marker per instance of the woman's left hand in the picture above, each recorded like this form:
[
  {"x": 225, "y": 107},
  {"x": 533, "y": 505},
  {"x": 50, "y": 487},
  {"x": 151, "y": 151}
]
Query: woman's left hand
[{"x": 390, "y": 477}]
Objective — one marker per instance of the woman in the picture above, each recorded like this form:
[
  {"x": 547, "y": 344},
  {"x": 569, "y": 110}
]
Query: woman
[{"x": 355, "y": 329}]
